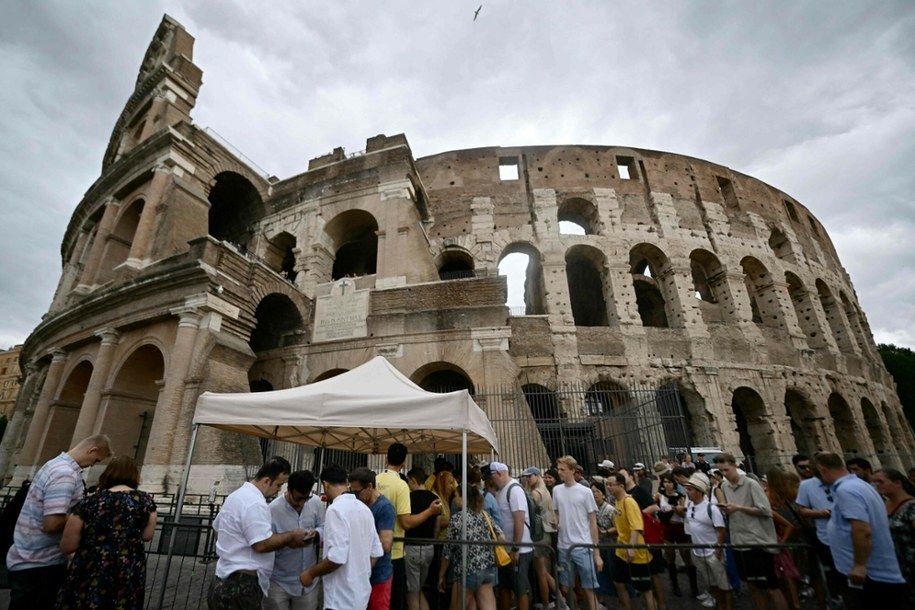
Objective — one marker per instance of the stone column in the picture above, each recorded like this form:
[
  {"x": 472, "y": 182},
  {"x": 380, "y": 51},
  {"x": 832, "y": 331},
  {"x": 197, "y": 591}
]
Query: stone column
[
  {"x": 33, "y": 440},
  {"x": 139, "y": 249},
  {"x": 86, "y": 424},
  {"x": 106, "y": 224},
  {"x": 168, "y": 407}
]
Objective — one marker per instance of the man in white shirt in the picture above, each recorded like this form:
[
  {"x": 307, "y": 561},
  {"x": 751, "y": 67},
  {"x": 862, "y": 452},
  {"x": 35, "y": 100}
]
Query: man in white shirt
[
  {"x": 351, "y": 546},
  {"x": 516, "y": 527},
  {"x": 297, "y": 508},
  {"x": 576, "y": 513},
  {"x": 706, "y": 526},
  {"x": 245, "y": 541}
]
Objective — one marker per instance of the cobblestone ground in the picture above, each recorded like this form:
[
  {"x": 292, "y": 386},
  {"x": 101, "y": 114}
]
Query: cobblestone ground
[{"x": 188, "y": 579}]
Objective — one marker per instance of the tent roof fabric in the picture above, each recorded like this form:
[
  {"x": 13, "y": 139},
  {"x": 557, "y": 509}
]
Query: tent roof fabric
[{"x": 363, "y": 410}]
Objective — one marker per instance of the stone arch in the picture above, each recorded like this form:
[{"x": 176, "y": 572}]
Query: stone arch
[
  {"x": 281, "y": 255},
  {"x": 709, "y": 285},
  {"x": 534, "y": 289},
  {"x": 801, "y": 413},
  {"x": 580, "y": 212},
  {"x": 875, "y": 429},
  {"x": 260, "y": 385},
  {"x": 354, "y": 234},
  {"x": 442, "y": 377},
  {"x": 754, "y": 427},
  {"x": 780, "y": 245},
  {"x": 328, "y": 374},
  {"x": 843, "y": 421},
  {"x": 543, "y": 402},
  {"x": 129, "y": 406},
  {"x": 606, "y": 398},
  {"x": 455, "y": 263},
  {"x": 851, "y": 314},
  {"x": 805, "y": 311},
  {"x": 119, "y": 241},
  {"x": 758, "y": 282},
  {"x": 587, "y": 278},
  {"x": 64, "y": 411},
  {"x": 648, "y": 265},
  {"x": 277, "y": 316},
  {"x": 235, "y": 207},
  {"x": 898, "y": 433},
  {"x": 834, "y": 317},
  {"x": 676, "y": 418}
]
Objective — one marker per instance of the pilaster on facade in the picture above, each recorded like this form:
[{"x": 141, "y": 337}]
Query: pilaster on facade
[
  {"x": 37, "y": 428},
  {"x": 87, "y": 423},
  {"x": 106, "y": 225},
  {"x": 142, "y": 240}
]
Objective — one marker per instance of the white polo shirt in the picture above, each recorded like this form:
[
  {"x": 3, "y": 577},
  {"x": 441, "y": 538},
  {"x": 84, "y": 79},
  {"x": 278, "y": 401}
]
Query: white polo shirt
[
  {"x": 243, "y": 520},
  {"x": 351, "y": 541}
]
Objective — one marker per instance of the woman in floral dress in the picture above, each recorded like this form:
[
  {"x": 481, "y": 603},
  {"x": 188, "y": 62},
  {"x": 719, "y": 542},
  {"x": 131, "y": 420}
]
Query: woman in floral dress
[
  {"x": 106, "y": 532},
  {"x": 481, "y": 562}
]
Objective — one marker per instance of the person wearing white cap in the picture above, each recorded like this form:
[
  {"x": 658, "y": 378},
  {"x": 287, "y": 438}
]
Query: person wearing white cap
[
  {"x": 706, "y": 526},
  {"x": 607, "y": 464},
  {"x": 515, "y": 520}
]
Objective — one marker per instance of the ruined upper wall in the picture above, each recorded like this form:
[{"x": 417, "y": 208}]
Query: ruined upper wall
[{"x": 454, "y": 178}]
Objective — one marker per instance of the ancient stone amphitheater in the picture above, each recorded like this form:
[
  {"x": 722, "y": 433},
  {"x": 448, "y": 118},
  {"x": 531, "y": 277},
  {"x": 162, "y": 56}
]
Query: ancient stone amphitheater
[{"x": 186, "y": 269}]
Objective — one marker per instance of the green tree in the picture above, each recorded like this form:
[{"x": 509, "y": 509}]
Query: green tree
[{"x": 900, "y": 362}]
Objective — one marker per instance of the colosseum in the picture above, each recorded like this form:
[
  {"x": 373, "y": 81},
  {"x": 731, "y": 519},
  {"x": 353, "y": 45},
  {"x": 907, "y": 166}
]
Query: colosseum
[{"x": 688, "y": 299}]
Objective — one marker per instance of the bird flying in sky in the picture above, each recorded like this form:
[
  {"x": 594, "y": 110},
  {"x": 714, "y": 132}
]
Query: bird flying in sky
[{"x": 476, "y": 13}]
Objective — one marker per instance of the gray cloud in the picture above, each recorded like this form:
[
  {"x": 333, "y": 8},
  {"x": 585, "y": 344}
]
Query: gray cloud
[{"x": 816, "y": 99}]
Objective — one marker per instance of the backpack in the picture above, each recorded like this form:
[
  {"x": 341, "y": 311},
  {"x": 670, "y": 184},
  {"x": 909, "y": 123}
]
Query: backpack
[{"x": 534, "y": 510}]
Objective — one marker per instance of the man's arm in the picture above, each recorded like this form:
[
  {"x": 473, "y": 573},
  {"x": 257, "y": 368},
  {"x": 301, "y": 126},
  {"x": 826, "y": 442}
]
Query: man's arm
[
  {"x": 51, "y": 524},
  {"x": 861, "y": 542},
  {"x": 322, "y": 568},
  {"x": 409, "y": 521},
  {"x": 387, "y": 539},
  {"x": 595, "y": 540}
]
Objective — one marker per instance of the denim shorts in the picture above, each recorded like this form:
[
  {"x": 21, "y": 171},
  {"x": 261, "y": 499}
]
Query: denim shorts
[
  {"x": 476, "y": 580},
  {"x": 578, "y": 561}
]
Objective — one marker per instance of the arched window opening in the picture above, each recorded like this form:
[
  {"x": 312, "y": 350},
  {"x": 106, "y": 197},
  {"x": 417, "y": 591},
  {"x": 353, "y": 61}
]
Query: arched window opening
[
  {"x": 455, "y": 265},
  {"x": 676, "y": 420},
  {"x": 442, "y": 377},
  {"x": 260, "y": 385},
  {"x": 585, "y": 276},
  {"x": 851, "y": 314},
  {"x": 758, "y": 282},
  {"x": 780, "y": 245},
  {"x": 280, "y": 255},
  {"x": 753, "y": 427},
  {"x": 543, "y": 403},
  {"x": 355, "y": 237},
  {"x": 578, "y": 217},
  {"x": 875, "y": 428},
  {"x": 804, "y": 310},
  {"x": 64, "y": 412},
  {"x": 520, "y": 263},
  {"x": 646, "y": 263},
  {"x": 117, "y": 247},
  {"x": 605, "y": 398},
  {"x": 131, "y": 403},
  {"x": 329, "y": 374},
  {"x": 800, "y": 411},
  {"x": 844, "y": 423},
  {"x": 706, "y": 270},
  {"x": 834, "y": 317},
  {"x": 897, "y": 431},
  {"x": 276, "y": 317},
  {"x": 235, "y": 207}
]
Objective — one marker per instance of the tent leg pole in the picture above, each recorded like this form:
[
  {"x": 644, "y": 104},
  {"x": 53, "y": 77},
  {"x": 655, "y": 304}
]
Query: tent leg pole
[
  {"x": 180, "y": 503},
  {"x": 464, "y": 519}
]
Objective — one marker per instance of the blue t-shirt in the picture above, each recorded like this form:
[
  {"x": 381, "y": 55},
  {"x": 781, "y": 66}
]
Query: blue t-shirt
[
  {"x": 812, "y": 494},
  {"x": 857, "y": 500},
  {"x": 384, "y": 514}
]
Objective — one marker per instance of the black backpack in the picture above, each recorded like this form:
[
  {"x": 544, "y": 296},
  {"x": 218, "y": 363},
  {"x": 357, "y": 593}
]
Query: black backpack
[{"x": 534, "y": 510}]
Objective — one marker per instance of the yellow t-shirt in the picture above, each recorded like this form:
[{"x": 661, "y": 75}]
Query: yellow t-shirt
[
  {"x": 628, "y": 517},
  {"x": 395, "y": 489}
]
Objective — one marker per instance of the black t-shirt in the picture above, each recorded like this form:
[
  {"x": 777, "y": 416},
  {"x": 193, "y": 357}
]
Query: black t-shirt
[
  {"x": 420, "y": 500},
  {"x": 641, "y": 497}
]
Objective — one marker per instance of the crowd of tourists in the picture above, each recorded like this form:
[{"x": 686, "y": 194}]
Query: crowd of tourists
[{"x": 834, "y": 532}]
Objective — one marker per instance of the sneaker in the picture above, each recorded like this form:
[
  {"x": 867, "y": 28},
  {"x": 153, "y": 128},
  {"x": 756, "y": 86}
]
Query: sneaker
[
  {"x": 705, "y": 595},
  {"x": 708, "y": 603}
]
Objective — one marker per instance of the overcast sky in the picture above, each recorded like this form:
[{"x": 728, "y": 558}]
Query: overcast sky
[{"x": 815, "y": 98}]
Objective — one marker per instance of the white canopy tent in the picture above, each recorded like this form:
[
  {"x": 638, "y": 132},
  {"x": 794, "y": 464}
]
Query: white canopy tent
[{"x": 364, "y": 410}]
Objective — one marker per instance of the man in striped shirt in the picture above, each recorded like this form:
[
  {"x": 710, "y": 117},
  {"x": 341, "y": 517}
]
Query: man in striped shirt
[{"x": 36, "y": 565}]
